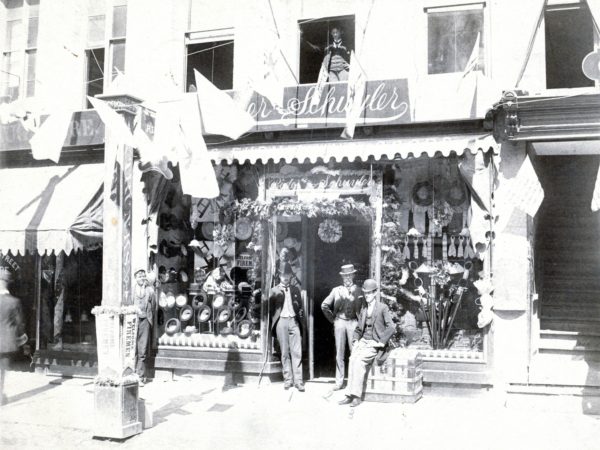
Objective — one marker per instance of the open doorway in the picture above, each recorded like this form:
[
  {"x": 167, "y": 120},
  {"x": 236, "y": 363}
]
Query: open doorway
[{"x": 325, "y": 260}]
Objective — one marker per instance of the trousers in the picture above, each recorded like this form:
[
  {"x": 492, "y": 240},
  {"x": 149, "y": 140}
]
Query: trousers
[
  {"x": 363, "y": 355},
  {"x": 343, "y": 331},
  {"x": 290, "y": 344},
  {"x": 143, "y": 339}
]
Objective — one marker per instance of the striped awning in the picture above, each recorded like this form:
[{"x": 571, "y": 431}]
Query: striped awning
[
  {"x": 54, "y": 208},
  {"x": 364, "y": 149}
]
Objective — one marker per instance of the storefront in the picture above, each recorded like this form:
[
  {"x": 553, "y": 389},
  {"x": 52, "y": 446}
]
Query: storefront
[
  {"x": 557, "y": 322},
  {"x": 51, "y": 233},
  {"x": 392, "y": 198}
]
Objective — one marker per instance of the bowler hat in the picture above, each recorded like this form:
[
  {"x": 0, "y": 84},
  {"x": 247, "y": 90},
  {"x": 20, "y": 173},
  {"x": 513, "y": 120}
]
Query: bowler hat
[
  {"x": 369, "y": 285},
  {"x": 286, "y": 269},
  {"x": 347, "y": 269},
  {"x": 138, "y": 271},
  {"x": 186, "y": 313},
  {"x": 172, "y": 326},
  {"x": 204, "y": 313}
]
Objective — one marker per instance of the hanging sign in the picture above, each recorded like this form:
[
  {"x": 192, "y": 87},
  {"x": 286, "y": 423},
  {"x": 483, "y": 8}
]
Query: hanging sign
[{"x": 385, "y": 102}]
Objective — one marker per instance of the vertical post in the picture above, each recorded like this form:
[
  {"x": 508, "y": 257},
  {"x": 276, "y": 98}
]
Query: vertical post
[{"x": 116, "y": 388}]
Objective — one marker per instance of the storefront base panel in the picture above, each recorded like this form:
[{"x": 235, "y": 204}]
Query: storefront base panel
[
  {"x": 236, "y": 366},
  {"x": 456, "y": 372},
  {"x": 564, "y": 399},
  {"x": 66, "y": 363},
  {"x": 386, "y": 397}
]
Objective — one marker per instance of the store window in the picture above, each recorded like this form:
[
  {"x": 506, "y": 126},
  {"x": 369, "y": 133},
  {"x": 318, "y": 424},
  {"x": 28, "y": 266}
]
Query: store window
[
  {"x": 452, "y": 33},
  {"x": 208, "y": 265},
  {"x": 211, "y": 54},
  {"x": 18, "y": 77},
  {"x": 429, "y": 263},
  {"x": 105, "y": 52},
  {"x": 70, "y": 286},
  {"x": 325, "y": 42},
  {"x": 569, "y": 38}
]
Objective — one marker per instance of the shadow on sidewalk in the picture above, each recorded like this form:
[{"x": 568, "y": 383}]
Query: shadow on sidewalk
[
  {"x": 32, "y": 392},
  {"x": 176, "y": 404}
]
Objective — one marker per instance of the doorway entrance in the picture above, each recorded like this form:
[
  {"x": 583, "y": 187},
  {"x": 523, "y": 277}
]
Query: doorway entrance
[
  {"x": 324, "y": 264},
  {"x": 567, "y": 266}
]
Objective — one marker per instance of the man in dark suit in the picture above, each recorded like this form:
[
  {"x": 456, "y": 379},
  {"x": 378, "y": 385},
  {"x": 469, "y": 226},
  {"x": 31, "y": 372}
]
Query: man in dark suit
[
  {"x": 143, "y": 298},
  {"x": 375, "y": 328},
  {"x": 12, "y": 329},
  {"x": 287, "y": 315}
]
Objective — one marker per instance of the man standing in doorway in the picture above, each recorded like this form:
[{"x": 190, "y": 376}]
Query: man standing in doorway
[
  {"x": 375, "y": 328},
  {"x": 287, "y": 315},
  {"x": 144, "y": 303},
  {"x": 342, "y": 308}
]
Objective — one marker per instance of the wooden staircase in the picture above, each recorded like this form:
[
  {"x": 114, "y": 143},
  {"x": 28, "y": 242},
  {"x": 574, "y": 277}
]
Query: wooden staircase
[{"x": 568, "y": 274}]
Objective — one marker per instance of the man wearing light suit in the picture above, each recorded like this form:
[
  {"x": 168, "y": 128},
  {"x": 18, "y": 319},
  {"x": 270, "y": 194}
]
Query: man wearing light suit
[
  {"x": 287, "y": 316},
  {"x": 375, "y": 328},
  {"x": 342, "y": 308}
]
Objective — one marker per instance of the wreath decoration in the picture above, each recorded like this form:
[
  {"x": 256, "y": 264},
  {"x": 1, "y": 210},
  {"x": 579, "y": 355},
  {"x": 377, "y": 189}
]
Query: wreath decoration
[
  {"x": 455, "y": 193},
  {"x": 330, "y": 231},
  {"x": 422, "y": 193}
]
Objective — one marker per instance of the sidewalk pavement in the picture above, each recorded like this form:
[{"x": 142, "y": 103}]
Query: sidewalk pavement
[{"x": 190, "y": 413}]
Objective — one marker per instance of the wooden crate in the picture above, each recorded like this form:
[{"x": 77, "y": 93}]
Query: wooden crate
[{"x": 400, "y": 379}]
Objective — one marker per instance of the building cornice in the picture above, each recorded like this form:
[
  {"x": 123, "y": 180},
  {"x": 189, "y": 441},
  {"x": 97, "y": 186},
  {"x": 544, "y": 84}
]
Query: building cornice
[{"x": 519, "y": 116}]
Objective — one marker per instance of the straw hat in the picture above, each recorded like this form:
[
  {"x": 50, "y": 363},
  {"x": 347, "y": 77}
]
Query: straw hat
[{"x": 347, "y": 269}]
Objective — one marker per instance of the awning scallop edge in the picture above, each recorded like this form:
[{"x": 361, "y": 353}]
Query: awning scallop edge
[{"x": 364, "y": 150}]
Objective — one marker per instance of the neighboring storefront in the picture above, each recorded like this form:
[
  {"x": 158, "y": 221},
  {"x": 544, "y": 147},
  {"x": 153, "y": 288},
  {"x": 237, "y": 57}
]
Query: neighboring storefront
[
  {"x": 558, "y": 320},
  {"x": 51, "y": 232}
]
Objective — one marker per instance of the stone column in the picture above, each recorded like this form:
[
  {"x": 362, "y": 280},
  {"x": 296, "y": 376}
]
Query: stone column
[{"x": 116, "y": 388}]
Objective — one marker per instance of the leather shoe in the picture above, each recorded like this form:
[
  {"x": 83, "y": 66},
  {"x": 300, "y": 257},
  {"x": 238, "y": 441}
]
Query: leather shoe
[
  {"x": 286, "y": 386},
  {"x": 355, "y": 402},
  {"x": 337, "y": 388},
  {"x": 346, "y": 401},
  {"x": 300, "y": 387}
]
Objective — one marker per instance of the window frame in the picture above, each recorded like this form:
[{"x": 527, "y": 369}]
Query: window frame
[
  {"x": 203, "y": 37},
  {"x": 107, "y": 43},
  {"x": 312, "y": 20},
  {"x": 22, "y": 49},
  {"x": 557, "y": 5},
  {"x": 442, "y": 6}
]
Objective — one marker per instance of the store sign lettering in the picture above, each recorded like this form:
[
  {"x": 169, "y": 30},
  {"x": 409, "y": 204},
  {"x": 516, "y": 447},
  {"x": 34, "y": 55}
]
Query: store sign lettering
[
  {"x": 86, "y": 128},
  {"x": 385, "y": 102}
]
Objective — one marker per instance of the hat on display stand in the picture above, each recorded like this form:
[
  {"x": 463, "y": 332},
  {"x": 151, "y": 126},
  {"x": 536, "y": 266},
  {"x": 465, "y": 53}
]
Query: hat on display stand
[
  {"x": 204, "y": 313},
  {"x": 186, "y": 314},
  {"x": 244, "y": 329},
  {"x": 198, "y": 300},
  {"x": 172, "y": 326}
]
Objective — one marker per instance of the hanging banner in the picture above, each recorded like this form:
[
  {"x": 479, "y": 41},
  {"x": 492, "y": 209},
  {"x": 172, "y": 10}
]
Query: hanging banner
[{"x": 526, "y": 192}]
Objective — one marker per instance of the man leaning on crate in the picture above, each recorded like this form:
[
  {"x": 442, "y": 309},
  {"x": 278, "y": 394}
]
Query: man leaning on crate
[{"x": 374, "y": 330}]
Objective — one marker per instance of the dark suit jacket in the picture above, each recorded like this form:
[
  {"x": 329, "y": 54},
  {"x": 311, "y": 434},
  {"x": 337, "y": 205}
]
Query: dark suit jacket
[
  {"x": 149, "y": 301},
  {"x": 11, "y": 323},
  {"x": 383, "y": 326},
  {"x": 277, "y": 298}
]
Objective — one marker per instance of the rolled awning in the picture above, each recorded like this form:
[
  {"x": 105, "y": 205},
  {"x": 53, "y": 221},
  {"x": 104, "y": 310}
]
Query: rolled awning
[
  {"x": 364, "y": 149},
  {"x": 56, "y": 208}
]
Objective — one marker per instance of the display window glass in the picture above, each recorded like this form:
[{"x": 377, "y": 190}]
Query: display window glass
[
  {"x": 430, "y": 265},
  {"x": 209, "y": 266}
]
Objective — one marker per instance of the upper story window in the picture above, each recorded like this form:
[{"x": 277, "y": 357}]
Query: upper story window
[
  {"x": 569, "y": 38},
  {"x": 105, "y": 48},
  {"x": 328, "y": 41},
  {"x": 211, "y": 54},
  {"x": 452, "y": 34},
  {"x": 18, "y": 76}
]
